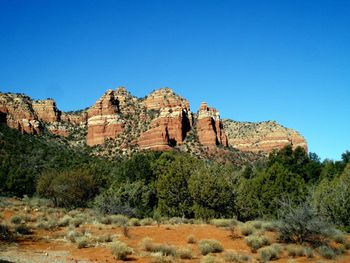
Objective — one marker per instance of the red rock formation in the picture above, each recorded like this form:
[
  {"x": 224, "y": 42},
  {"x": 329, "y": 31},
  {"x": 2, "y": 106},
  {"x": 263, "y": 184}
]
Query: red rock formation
[
  {"x": 168, "y": 130},
  {"x": 209, "y": 127},
  {"x": 46, "y": 110},
  {"x": 75, "y": 119},
  {"x": 16, "y": 111},
  {"x": 104, "y": 120},
  {"x": 262, "y": 136},
  {"x": 165, "y": 98}
]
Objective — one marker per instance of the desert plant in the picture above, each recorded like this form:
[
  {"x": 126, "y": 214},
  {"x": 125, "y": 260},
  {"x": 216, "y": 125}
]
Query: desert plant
[
  {"x": 72, "y": 236},
  {"x": 105, "y": 239},
  {"x": 5, "y": 233},
  {"x": 76, "y": 221},
  {"x": 125, "y": 229},
  {"x": 339, "y": 238},
  {"x": 269, "y": 253},
  {"x": 210, "y": 259},
  {"x": 119, "y": 220},
  {"x": 309, "y": 252},
  {"x": 256, "y": 242},
  {"x": 326, "y": 252},
  {"x": 184, "y": 253},
  {"x": 247, "y": 229},
  {"x": 146, "y": 244},
  {"x": 134, "y": 222},
  {"x": 233, "y": 256},
  {"x": 302, "y": 224},
  {"x": 16, "y": 219},
  {"x": 146, "y": 221},
  {"x": 223, "y": 222},
  {"x": 23, "y": 230},
  {"x": 82, "y": 242},
  {"x": 295, "y": 251},
  {"x": 64, "y": 221},
  {"x": 191, "y": 239},
  {"x": 121, "y": 250},
  {"x": 207, "y": 246}
]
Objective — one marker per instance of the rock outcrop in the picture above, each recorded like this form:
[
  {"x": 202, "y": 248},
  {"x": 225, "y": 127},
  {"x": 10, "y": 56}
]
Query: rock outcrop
[
  {"x": 104, "y": 120},
  {"x": 172, "y": 124},
  {"x": 261, "y": 136},
  {"x": 209, "y": 127},
  {"x": 17, "y": 112},
  {"x": 46, "y": 110}
]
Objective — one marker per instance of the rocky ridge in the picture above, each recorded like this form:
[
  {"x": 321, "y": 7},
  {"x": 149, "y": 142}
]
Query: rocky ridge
[{"x": 120, "y": 123}]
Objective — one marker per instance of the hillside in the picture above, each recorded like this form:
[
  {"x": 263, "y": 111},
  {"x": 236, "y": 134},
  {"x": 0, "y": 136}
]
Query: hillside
[{"x": 120, "y": 124}]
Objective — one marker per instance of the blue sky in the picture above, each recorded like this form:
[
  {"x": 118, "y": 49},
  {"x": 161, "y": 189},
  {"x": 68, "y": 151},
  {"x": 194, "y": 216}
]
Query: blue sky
[{"x": 287, "y": 61}]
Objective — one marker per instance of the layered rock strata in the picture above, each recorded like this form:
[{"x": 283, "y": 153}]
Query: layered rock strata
[
  {"x": 210, "y": 130},
  {"x": 261, "y": 136}
]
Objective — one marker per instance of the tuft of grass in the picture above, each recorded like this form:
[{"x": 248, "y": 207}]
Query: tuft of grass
[
  {"x": 64, "y": 221},
  {"x": 166, "y": 250},
  {"x": 247, "y": 229},
  {"x": 210, "y": 259},
  {"x": 175, "y": 221},
  {"x": 191, "y": 239},
  {"x": 72, "y": 236},
  {"x": 295, "y": 251},
  {"x": 120, "y": 250},
  {"x": 257, "y": 224},
  {"x": 184, "y": 253},
  {"x": 207, "y": 246},
  {"x": 256, "y": 242},
  {"x": 223, "y": 222},
  {"x": 270, "y": 226},
  {"x": 82, "y": 242},
  {"x": 270, "y": 253},
  {"x": 146, "y": 222},
  {"x": 159, "y": 258},
  {"x": 233, "y": 256},
  {"x": 326, "y": 252},
  {"x": 134, "y": 222},
  {"x": 119, "y": 220},
  {"x": 76, "y": 221},
  {"x": 105, "y": 239},
  {"x": 309, "y": 252},
  {"x": 339, "y": 238}
]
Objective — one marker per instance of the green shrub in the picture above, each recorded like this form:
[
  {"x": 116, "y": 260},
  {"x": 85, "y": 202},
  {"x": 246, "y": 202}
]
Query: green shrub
[
  {"x": 309, "y": 252},
  {"x": 72, "y": 236},
  {"x": 339, "y": 238},
  {"x": 120, "y": 250},
  {"x": 16, "y": 219},
  {"x": 210, "y": 259},
  {"x": 326, "y": 252},
  {"x": 76, "y": 221},
  {"x": 5, "y": 233},
  {"x": 223, "y": 222},
  {"x": 175, "y": 221},
  {"x": 82, "y": 242},
  {"x": 23, "y": 230},
  {"x": 119, "y": 220},
  {"x": 191, "y": 239},
  {"x": 184, "y": 253},
  {"x": 302, "y": 224},
  {"x": 64, "y": 221},
  {"x": 146, "y": 244},
  {"x": 256, "y": 242},
  {"x": 105, "y": 239},
  {"x": 247, "y": 229},
  {"x": 257, "y": 224},
  {"x": 269, "y": 253},
  {"x": 166, "y": 250},
  {"x": 147, "y": 221},
  {"x": 207, "y": 246},
  {"x": 295, "y": 251},
  {"x": 233, "y": 256},
  {"x": 134, "y": 222}
]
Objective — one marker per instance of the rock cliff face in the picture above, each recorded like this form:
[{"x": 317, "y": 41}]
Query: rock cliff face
[
  {"x": 122, "y": 123},
  {"x": 261, "y": 136},
  {"x": 172, "y": 124},
  {"x": 17, "y": 112},
  {"x": 104, "y": 119},
  {"x": 209, "y": 127}
]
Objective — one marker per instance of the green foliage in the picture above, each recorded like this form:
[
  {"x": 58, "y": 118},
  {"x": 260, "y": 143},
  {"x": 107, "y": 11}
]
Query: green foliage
[
  {"x": 300, "y": 224},
  {"x": 173, "y": 172},
  {"x": 207, "y": 246},
  {"x": 213, "y": 191},
  {"x": 134, "y": 199},
  {"x": 73, "y": 188},
  {"x": 333, "y": 199},
  {"x": 255, "y": 242},
  {"x": 121, "y": 250}
]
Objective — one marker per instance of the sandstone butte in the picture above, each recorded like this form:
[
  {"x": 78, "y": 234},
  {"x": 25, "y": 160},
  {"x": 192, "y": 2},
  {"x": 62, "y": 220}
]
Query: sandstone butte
[{"x": 169, "y": 115}]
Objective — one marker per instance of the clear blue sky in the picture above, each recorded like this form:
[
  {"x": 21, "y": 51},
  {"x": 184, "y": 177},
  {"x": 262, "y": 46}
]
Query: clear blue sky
[{"x": 280, "y": 60}]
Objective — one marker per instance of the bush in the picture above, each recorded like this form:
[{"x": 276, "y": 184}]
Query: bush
[
  {"x": 76, "y": 221},
  {"x": 64, "y": 221},
  {"x": 302, "y": 224},
  {"x": 147, "y": 221},
  {"x": 207, "y": 246},
  {"x": 269, "y": 253},
  {"x": 309, "y": 252},
  {"x": 326, "y": 252},
  {"x": 105, "y": 239},
  {"x": 166, "y": 250},
  {"x": 191, "y": 239},
  {"x": 134, "y": 222},
  {"x": 5, "y": 233},
  {"x": 184, "y": 253},
  {"x": 232, "y": 256},
  {"x": 295, "y": 251},
  {"x": 223, "y": 222},
  {"x": 247, "y": 229},
  {"x": 16, "y": 219},
  {"x": 256, "y": 242},
  {"x": 121, "y": 250},
  {"x": 119, "y": 220},
  {"x": 210, "y": 259},
  {"x": 82, "y": 242},
  {"x": 23, "y": 230}
]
